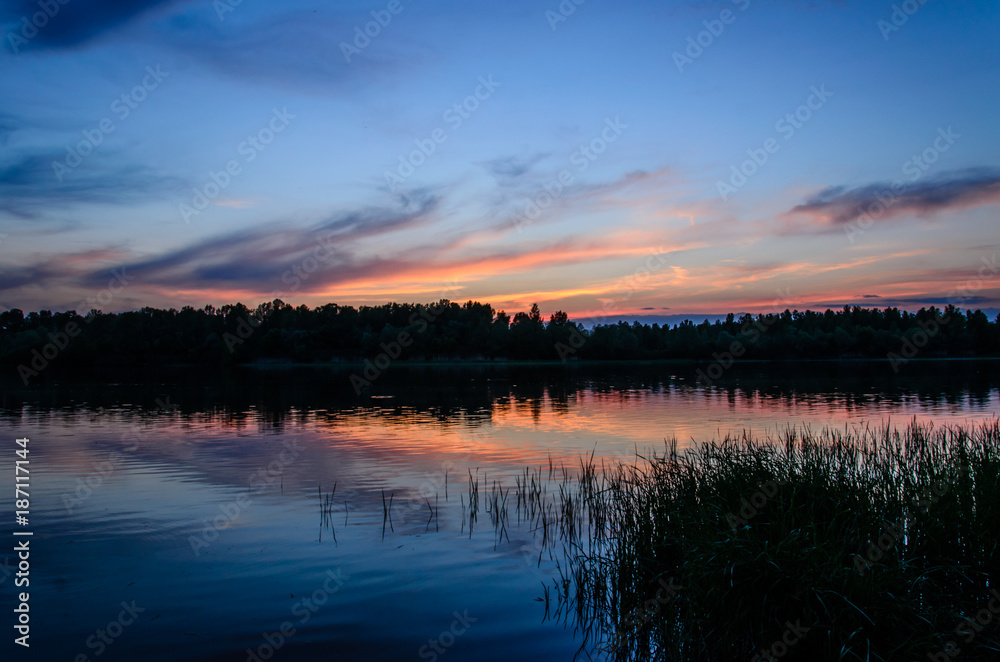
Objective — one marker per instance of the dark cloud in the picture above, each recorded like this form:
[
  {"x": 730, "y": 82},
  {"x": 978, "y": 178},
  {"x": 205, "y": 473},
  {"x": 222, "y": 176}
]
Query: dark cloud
[
  {"x": 253, "y": 259},
  {"x": 23, "y": 276},
  {"x": 293, "y": 48},
  {"x": 838, "y": 205},
  {"x": 258, "y": 258},
  {"x": 509, "y": 168},
  {"x": 29, "y": 183},
  {"x": 76, "y": 22}
]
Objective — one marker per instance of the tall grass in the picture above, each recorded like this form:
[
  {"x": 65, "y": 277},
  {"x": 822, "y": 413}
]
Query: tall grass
[{"x": 872, "y": 544}]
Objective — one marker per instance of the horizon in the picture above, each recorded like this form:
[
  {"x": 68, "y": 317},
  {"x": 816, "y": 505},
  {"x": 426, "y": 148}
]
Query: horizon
[{"x": 603, "y": 318}]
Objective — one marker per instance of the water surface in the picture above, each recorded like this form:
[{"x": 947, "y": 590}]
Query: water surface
[{"x": 203, "y": 498}]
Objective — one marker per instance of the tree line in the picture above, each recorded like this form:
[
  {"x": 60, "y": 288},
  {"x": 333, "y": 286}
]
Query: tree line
[{"x": 448, "y": 330}]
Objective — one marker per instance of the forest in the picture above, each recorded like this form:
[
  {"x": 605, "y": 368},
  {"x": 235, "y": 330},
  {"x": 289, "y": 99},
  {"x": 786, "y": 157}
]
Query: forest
[{"x": 445, "y": 331}]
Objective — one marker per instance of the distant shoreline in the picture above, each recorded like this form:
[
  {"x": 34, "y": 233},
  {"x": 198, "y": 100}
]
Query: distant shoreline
[{"x": 590, "y": 362}]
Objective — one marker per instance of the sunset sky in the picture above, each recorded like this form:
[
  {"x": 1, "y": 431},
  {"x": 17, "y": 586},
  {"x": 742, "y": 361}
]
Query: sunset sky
[{"x": 582, "y": 156}]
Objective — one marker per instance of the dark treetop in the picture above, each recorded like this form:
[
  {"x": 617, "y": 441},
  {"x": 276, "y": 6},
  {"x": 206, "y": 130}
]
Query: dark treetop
[{"x": 475, "y": 331}]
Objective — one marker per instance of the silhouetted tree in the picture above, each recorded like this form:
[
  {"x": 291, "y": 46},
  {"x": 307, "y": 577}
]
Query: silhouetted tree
[{"x": 274, "y": 330}]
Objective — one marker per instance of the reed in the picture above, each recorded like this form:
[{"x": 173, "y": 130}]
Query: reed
[{"x": 871, "y": 544}]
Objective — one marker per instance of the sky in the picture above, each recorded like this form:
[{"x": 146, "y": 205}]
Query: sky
[{"x": 634, "y": 160}]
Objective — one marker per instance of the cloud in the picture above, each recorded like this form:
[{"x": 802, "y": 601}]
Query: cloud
[
  {"x": 516, "y": 198},
  {"x": 634, "y": 178},
  {"x": 290, "y": 48},
  {"x": 78, "y": 22},
  {"x": 29, "y": 185},
  {"x": 397, "y": 249},
  {"x": 257, "y": 259},
  {"x": 286, "y": 46},
  {"x": 252, "y": 261},
  {"x": 58, "y": 267},
  {"x": 838, "y": 205},
  {"x": 508, "y": 168}
]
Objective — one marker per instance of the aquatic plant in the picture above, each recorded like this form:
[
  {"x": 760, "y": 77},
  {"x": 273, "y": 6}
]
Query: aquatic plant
[{"x": 866, "y": 544}]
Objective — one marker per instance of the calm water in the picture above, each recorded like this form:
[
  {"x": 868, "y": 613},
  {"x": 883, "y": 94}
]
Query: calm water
[{"x": 194, "y": 499}]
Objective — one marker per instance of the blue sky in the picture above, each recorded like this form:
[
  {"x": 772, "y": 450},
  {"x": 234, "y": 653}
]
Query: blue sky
[{"x": 578, "y": 156}]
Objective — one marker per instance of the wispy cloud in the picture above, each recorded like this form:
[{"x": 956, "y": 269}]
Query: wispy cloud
[
  {"x": 297, "y": 49},
  {"x": 389, "y": 251},
  {"x": 506, "y": 169},
  {"x": 252, "y": 261},
  {"x": 514, "y": 196},
  {"x": 838, "y": 205},
  {"x": 255, "y": 260},
  {"x": 29, "y": 186},
  {"x": 58, "y": 269}
]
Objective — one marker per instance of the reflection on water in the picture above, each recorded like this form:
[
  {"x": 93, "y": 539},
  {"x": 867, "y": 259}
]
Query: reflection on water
[{"x": 212, "y": 500}]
